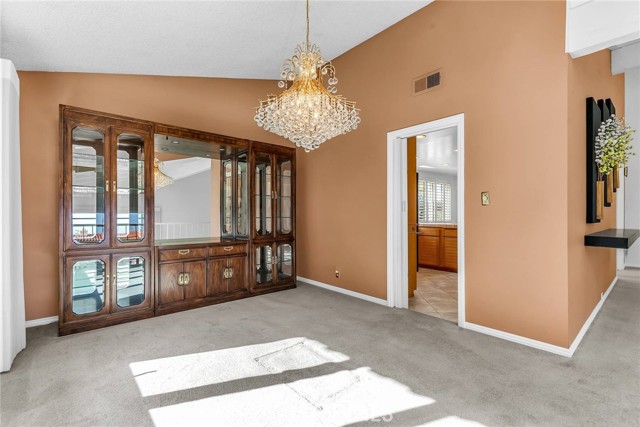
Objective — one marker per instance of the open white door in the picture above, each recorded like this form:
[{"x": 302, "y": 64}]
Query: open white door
[{"x": 12, "y": 315}]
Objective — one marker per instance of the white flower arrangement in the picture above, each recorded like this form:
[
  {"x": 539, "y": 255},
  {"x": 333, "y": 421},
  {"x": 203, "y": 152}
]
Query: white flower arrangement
[{"x": 613, "y": 144}]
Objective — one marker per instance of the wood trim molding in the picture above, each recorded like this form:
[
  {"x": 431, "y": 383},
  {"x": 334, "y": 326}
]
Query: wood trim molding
[{"x": 397, "y": 245}]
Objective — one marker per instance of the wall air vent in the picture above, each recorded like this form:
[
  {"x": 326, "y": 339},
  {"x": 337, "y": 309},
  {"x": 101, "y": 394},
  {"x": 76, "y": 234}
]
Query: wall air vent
[
  {"x": 427, "y": 82},
  {"x": 433, "y": 80}
]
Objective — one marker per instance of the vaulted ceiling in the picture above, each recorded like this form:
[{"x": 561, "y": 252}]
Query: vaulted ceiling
[{"x": 234, "y": 39}]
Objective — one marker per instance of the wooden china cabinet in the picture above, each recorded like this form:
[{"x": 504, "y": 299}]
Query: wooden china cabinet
[
  {"x": 105, "y": 238},
  {"x": 113, "y": 270},
  {"x": 272, "y": 211}
]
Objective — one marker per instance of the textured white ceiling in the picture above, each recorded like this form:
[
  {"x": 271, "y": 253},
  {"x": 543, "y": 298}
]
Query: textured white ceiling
[
  {"x": 237, "y": 39},
  {"x": 438, "y": 151}
]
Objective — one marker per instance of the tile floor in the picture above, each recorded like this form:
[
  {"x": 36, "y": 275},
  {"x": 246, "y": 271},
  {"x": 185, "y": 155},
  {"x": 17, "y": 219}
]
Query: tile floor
[{"x": 437, "y": 294}]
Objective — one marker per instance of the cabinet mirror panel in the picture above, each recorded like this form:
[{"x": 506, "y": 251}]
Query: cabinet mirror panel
[
  {"x": 88, "y": 182},
  {"x": 130, "y": 281},
  {"x": 285, "y": 261},
  {"x": 242, "y": 195},
  {"x": 284, "y": 193},
  {"x": 264, "y": 264},
  {"x": 188, "y": 191},
  {"x": 227, "y": 198},
  {"x": 263, "y": 220},
  {"x": 87, "y": 286},
  {"x": 129, "y": 188}
]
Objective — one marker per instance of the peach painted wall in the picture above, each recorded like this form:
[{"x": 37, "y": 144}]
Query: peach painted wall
[
  {"x": 218, "y": 105},
  {"x": 509, "y": 78},
  {"x": 517, "y": 89},
  {"x": 591, "y": 270}
]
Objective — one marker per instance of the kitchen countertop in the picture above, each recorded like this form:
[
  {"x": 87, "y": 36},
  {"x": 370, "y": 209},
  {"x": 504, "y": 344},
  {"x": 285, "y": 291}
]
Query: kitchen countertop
[{"x": 439, "y": 225}]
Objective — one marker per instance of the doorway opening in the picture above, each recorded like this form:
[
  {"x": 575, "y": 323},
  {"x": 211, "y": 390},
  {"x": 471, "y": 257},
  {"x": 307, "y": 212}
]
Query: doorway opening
[{"x": 425, "y": 218}]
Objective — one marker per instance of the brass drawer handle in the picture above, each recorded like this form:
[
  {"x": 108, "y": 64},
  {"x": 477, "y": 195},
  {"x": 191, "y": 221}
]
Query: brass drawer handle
[
  {"x": 183, "y": 279},
  {"x": 227, "y": 273},
  {"x": 184, "y": 251},
  {"x": 228, "y": 248}
]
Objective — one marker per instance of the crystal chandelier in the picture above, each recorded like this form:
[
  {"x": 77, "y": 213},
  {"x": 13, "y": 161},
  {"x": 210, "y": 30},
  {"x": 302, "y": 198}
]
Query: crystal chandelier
[
  {"x": 307, "y": 113},
  {"x": 160, "y": 179}
]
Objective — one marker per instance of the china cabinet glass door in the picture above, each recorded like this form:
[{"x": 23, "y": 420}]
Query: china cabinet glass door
[
  {"x": 263, "y": 195},
  {"x": 129, "y": 189},
  {"x": 242, "y": 196},
  {"x": 87, "y": 282},
  {"x": 227, "y": 198},
  {"x": 264, "y": 265},
  {"x": 130, "y": 281},
  {"x": 284, "y": 196},
  {"x": 284, "y": 262},
  {"x": 89, "y": 183}
]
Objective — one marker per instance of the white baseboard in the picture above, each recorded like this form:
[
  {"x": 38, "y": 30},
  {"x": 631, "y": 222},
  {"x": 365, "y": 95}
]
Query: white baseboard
[
  {"x": 540, "y": 345},
  {"x": 40, "y": 322},
  {"x": 578, "y": 339},
  {"x": 343, "y": 291}
]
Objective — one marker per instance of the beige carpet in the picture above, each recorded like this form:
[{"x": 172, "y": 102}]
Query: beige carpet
[{"x": 311, "y": 357}]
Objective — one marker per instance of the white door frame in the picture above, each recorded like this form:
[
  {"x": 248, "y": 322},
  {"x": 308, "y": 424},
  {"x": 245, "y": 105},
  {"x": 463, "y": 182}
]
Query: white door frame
[{"x": 397, "y": 215}]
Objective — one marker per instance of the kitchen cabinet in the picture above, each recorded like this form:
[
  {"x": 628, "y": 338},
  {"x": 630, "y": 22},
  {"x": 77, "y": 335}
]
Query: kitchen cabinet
[{"x": 438, "y": 247}]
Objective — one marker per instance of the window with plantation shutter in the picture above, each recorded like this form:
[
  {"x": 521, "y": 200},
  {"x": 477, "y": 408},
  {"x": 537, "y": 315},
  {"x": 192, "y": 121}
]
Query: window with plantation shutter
[
  {"x": 434, "y": 201},
  {"x": 422, "y": 201}
]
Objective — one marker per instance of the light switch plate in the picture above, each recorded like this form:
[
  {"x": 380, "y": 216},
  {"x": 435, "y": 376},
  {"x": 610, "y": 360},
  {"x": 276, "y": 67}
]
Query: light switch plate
[{"x": 485, "y": 198}]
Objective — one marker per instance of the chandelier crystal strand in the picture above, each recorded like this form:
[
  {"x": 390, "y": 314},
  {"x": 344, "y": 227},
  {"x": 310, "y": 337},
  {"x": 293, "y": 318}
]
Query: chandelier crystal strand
[{"x": 307, "y": 113}]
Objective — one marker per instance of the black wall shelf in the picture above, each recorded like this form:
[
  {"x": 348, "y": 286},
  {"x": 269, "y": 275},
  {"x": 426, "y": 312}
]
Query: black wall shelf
[{"x": 619, "y": 238}]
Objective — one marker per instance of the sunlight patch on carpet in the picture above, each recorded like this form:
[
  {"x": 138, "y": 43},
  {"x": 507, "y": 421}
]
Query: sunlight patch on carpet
[
  {"x": 188, "y": 371},
  {"x": 340, "y": 398}
]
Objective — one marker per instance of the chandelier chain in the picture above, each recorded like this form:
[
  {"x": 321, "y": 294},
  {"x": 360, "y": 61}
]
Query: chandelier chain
[{"x": 307, "y": 24}]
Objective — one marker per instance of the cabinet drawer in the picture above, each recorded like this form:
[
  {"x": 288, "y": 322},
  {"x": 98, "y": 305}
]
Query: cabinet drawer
[
  {"x": 450, "y": 232},
  {"x": 429, "y": 231},
  {"x": 178, "y": 254},
  {"x": 227, "y": 250}
]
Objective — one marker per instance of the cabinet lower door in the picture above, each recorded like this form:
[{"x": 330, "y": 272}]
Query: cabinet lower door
[
  {"x": 450, "y": 253},
  {"x": 86, "y": 287},
  {"x": 195, "y": 279},
  {"x": 263, "y": 264},
  {"x": 285, "y": 262},
  {"x": 237, "y": 267},
  {"x": 216, "y": 282},
  {"x": 170, "y": 288},
  {"x": 429, "y": 251},
  {"x": 131, "y": 282}
]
